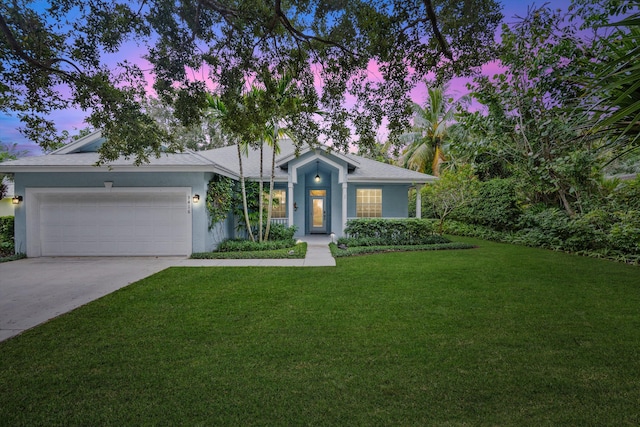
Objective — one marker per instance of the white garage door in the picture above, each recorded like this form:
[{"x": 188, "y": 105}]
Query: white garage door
[{"x": 115, "y": 224}]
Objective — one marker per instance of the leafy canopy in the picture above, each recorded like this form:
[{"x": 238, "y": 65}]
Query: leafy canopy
[{"x": 60, "y": 54}]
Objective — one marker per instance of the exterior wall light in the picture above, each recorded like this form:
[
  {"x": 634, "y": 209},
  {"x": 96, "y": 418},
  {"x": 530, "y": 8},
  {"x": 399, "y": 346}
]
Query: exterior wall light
[
  {"x": 196, "y": 198},
  {"x": 16, "y": 200}
]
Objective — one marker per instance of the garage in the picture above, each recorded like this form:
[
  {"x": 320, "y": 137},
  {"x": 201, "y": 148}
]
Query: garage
[{"x": 109, "y": 222}]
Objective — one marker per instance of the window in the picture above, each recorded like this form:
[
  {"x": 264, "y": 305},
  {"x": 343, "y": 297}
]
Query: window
[
  {"x": 369, "y": 203},
  {"x": 279, "y": 209}
]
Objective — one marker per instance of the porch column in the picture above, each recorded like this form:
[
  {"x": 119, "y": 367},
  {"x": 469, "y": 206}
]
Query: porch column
[
  {"x": 419, "y": 201},
  {"x": 290, "y": 204},
  {"x": 344, "y": 207}
]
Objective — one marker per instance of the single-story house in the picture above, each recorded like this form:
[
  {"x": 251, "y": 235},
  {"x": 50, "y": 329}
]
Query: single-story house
[{"x": 70, "y": 207}]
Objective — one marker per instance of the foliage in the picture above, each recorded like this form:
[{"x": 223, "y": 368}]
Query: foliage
[
  {"x": 14, "y": 257},
  {"x": 292, "y": 251},
  {"x": 236, "y": 245},
  {"x": 424, "y": 150},
  {"x": 496, "y": 205},
  {"x": 341, "y": 252},
  {"x": 198, "y": 136},
  {"x": 60, "y": 55},
  {"x": 616, "y": 83},
  {"x": 454, "y": 190},
  {"x": 600, "y": 234},
  {"x": 392, "y": 231},
  {"x": 8, "y": 152},
  {"x": 220, "y": 196},
  {"x": 282, "y": 232},
  {"x": 7, "y": 247},
  {"x": 430, "y": 239},
  {"x": 527, "y": 129}
]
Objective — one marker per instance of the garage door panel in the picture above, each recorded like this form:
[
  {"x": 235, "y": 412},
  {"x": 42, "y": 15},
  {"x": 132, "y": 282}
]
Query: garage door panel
[{"x": 150, "y": 223}]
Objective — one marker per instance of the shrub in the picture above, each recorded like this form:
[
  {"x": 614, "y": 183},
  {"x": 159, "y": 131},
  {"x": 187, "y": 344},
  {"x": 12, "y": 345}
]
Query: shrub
[
  {"x": 625, "y": 233},
  {"x": 361, "y": 250},
  {"x": 410, "y": 231},
  {"x": 235, "y": 245},
  {"x": 296, "y": 252},
  {"x": 7, "y": 247},
  {"x": 496, "y": 206},
  {"x": 376, "y": 241},
  {"x": 281, "y": 232}
]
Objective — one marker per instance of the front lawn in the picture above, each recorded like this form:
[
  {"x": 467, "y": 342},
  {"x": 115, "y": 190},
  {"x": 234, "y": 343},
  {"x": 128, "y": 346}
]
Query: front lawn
[{"x": 497, "y": 335}]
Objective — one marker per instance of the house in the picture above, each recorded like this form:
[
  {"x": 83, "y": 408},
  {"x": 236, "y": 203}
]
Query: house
[{"x": 71, "y": 207}]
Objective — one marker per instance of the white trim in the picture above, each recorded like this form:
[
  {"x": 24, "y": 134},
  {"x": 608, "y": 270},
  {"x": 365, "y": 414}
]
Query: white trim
[
  {"x": 287, "y": 158},
  {"x": 79, "y": 143},
  {"x": 32, "y": 205},
  {"x": 293, "y": 171}
]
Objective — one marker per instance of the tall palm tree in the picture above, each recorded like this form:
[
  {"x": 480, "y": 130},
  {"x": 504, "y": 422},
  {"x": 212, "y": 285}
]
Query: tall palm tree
[
  {"x": 221, "y": 113},
  {"x": 424, "y": 149},
  {"x": 284, "y": 99}
]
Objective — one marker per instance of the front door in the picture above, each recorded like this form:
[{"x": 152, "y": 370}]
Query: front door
[{"x": 318, "y": 211}]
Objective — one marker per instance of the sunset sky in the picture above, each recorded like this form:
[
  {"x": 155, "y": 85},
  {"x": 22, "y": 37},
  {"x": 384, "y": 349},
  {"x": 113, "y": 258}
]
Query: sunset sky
[{"x": 72, "y": 120}]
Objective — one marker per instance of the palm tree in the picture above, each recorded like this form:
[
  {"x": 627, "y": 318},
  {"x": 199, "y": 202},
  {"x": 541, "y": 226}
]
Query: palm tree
[
  {"x": 424, "y": 150},
  {"x": 284, "y": 98},
  {"x": 221, "y": 113},
  {"x": 618, "y": 86}
]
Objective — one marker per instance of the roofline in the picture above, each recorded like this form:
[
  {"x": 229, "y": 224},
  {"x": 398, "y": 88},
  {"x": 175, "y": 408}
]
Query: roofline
[
  {"x": 286, "y": 159},
  {"x": 113, "y": 168},
  {"x": 392, "y": 180},
  {"x": 66, "y": 149}
]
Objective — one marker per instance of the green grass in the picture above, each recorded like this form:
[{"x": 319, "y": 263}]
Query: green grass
[{"x": 498, "y": 335}]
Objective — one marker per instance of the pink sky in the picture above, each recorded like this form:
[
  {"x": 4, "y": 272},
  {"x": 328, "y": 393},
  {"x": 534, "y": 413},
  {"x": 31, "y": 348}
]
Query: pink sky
[{"x": 73, "y": 120}]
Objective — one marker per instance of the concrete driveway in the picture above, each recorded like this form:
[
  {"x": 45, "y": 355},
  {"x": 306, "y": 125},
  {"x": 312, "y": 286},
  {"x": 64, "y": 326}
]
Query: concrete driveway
[{"x": 35, "y": 290}]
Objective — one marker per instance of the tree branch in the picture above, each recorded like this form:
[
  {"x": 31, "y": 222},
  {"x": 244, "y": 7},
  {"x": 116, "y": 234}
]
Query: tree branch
[
  {"x": 299, "y": 35},
  {"x": 46, "y": 66},
  {"x": 431, "y": 14}
]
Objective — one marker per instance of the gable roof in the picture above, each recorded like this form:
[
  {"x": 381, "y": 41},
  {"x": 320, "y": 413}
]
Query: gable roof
[
  {"x": 360, "y": 168},
  {"x": 81, "y": 156}
]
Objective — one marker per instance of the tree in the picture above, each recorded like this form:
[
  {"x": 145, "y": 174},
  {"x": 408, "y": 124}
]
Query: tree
[
  {"x": 616, "y": 85},
  {"x": 223, "y": 114},
  {"x": 528, "y": 121},
  {"x": 58, "y": 54},
  {"x": 424, "y": 152},
  {"x": 199, "y": 136},
  {"x": 454, "y": 190},
  {"x": 8, "y": 152}
]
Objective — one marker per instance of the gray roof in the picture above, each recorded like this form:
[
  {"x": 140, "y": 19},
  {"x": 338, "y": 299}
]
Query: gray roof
[
  {"x": 80, "y": 156},
  {"x": 361, "y": 168}
]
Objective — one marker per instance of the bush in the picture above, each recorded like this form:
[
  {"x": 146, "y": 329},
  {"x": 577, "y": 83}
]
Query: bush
[
  {"x": 298, "y": 251},
  {"x": 625, "y": 233},
  {"x": 496, "y": 206},
  {"x": 7, "y": 247},
  {"x": 411, "y": 231},
  {"x": 376, "y": 241},
  {"x": 235, "y": 245},
  {"x": 361, "y": 250},
  {"x": 281, "y": 231}
]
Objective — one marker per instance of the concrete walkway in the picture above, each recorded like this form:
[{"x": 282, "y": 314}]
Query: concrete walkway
[{"x": 34, "y": 290}]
